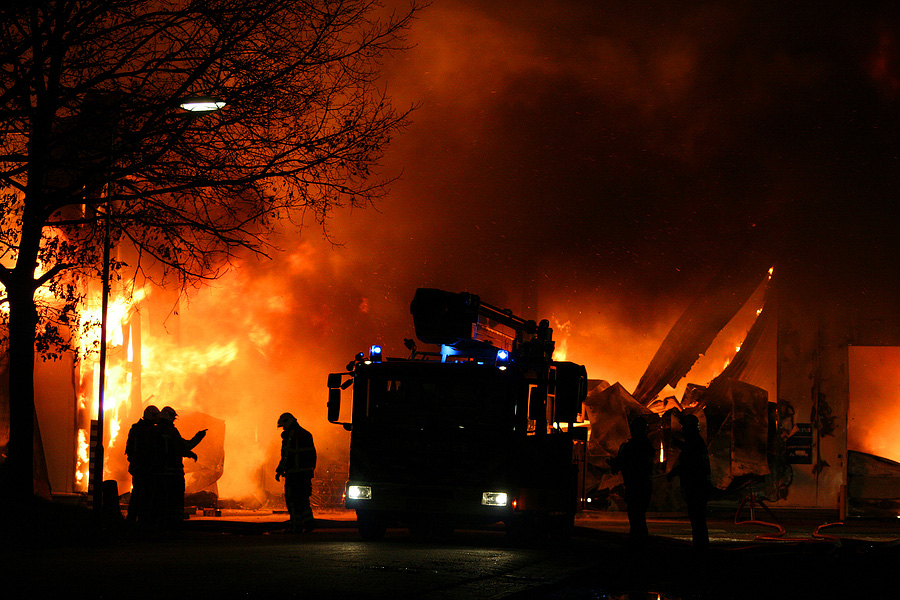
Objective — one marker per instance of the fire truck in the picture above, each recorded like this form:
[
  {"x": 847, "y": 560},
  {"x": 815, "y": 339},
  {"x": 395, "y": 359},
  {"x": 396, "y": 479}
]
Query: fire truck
[{"x": 480, "y": 430}]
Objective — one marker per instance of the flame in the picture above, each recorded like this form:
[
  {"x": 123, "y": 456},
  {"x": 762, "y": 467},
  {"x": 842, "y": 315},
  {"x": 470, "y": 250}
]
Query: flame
[
  {"x": 873, "y": 410},
  {"x": 256, "y": 345},
  {"x": 113, "y": 430},
  {"x": 160, "y": 365},
  {"x": 117, "y": 314},
  {"x": 117, "y": 379},
  {"x": 186, "y": 366},
  {"x": 81, "y": 462},
  {"x": 562, "y": 331}
]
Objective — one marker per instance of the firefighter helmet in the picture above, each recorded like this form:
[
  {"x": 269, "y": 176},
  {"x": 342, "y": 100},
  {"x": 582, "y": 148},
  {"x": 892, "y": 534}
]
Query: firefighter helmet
[
  {"x": 168, "y": 413},
  {"x": 286, "y": 419},
  {"x": 690, "y": 423},
  {"x": 151, "y": 413}
]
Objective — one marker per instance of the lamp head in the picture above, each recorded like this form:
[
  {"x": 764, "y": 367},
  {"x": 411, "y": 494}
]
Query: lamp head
[{"x": 202, "y": 104}]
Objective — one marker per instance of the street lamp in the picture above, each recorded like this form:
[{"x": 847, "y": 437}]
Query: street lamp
[
  {"x": 202, "y": 104},
  {"x": 195, "y": 104}
]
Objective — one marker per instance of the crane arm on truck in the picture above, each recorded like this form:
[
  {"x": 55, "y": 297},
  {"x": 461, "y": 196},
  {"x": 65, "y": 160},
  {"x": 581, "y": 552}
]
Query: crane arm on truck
[
  {"x": 463, "y": 320},
  {"x": 485, "y": 437}
]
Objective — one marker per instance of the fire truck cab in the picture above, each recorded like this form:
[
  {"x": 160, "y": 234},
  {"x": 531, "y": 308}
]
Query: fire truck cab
[{"x": 482, "y": 431}]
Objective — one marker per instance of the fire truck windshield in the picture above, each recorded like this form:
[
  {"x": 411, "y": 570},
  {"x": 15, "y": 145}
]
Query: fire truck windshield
[
  {"x": 437, "y": 418},
  {"x": 459, "y": 397}
]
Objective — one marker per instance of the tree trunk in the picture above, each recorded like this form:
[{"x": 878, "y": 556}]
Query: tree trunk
[{"x": 20, "y": 462}]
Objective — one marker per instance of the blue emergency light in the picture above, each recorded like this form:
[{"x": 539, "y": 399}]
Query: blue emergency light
[
  {"x": 502, "y": 359},
  {"x": 375, "y": 353}
]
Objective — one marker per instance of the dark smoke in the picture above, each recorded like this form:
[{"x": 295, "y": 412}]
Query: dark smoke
[{"x": 590, "y": 162}]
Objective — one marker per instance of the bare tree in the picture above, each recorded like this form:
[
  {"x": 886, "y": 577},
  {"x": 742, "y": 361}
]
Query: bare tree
[{"x": 94, "y": 139}]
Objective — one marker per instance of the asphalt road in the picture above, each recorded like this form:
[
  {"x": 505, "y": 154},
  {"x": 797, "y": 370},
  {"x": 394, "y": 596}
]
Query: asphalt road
[
  {"x": 329, "y": 563},
  {"x": 233, "y": 559}
]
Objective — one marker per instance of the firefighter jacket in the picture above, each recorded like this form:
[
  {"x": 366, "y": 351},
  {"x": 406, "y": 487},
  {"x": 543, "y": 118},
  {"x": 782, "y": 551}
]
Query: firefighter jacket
[
  {"x": 693, "y": 468},
  {"x": 142, "y": 448},
  {"x": 635, "y": 461},
  {"x": 298, "y": 453},
  {"x": 172, "y": 448}
]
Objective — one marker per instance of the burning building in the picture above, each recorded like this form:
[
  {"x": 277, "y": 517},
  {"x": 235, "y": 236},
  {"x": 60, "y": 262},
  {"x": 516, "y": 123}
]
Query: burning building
[
  {"x": 598, "y": 175},
  {"x": 227, "y": 364},
  {"x": 802, "y": 411},
  {"x": 796, "y": 393}
]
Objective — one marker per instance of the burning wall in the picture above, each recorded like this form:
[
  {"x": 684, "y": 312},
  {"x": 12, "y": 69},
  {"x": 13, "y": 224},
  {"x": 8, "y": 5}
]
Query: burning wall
[
  {"x": 734, "y": 415},
  {"x": 230, "y": 358},
  {"x": 874, "y": 411}
]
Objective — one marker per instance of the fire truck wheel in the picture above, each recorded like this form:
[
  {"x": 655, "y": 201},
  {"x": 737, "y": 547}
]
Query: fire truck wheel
[{"x": 371, "y": 526}]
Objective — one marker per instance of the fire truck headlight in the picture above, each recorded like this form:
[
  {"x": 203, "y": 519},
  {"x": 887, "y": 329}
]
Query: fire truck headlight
[
  {"x": 359, "y": 492},
  {"x": 494, "y": 499}
]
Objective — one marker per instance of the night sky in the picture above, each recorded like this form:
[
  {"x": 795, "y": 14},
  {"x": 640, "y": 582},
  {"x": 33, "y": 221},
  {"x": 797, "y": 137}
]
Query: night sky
[{"x": 593, "y": 163}]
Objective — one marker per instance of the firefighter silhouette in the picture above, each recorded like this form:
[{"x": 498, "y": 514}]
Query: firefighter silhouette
[
  {"x": 692, "y": 468},
  {"x": 635, "y": 461},
  {"x": 141, "y": 449},
  {"x": 297, "y": 466},
  {"x": 172, "y": 449}
]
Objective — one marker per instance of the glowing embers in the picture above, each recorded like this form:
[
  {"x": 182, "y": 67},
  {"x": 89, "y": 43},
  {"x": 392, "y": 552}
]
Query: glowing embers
[{"x": 495, "y": 499}]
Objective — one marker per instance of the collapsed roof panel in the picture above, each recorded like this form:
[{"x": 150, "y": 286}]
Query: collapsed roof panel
[{"x": 713, "y": 308}]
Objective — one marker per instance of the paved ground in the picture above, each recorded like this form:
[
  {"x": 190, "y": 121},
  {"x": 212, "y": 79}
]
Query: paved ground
[
  {"x": 801, "y": 556},
  {"x": 725, "y": 528},
  {"x": 806, "y": 558},
  {"x": 793, "y": 555}
]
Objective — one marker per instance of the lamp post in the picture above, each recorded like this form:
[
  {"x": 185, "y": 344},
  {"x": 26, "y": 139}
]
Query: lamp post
[
  {"x": 193, "y": 104},
  {"x": 96, "y": 470}
]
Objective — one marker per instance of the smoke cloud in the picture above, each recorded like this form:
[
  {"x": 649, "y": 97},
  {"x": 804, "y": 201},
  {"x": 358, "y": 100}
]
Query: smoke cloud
[{"x": 593, "y": 163}]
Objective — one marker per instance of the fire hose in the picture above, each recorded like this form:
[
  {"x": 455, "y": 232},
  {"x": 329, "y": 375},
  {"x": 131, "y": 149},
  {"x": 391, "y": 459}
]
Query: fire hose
[{"x": 779, "y": 534}]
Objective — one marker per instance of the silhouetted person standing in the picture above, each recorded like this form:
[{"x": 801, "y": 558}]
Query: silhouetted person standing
[
  {"x": 297, "y": 466},
  {"x": 692, "y": 467},
  {"x": 142, "y": 451},
  {"x": 635, "y": 461},
  {"x": 173, "y": 449}
]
